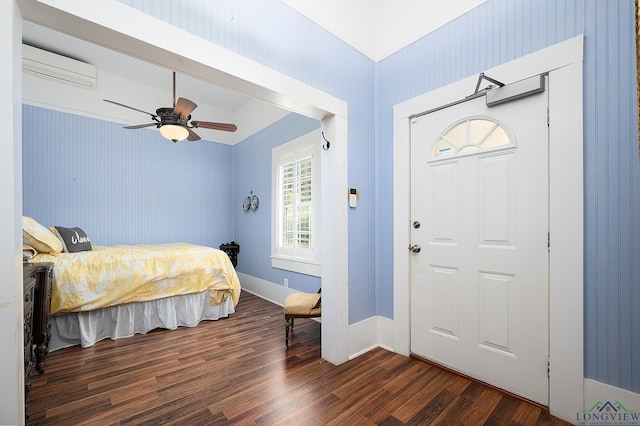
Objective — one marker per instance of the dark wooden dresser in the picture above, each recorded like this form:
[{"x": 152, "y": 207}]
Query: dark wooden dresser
[
  {"x": 29, "y": 283},
  {"x": 37, "y": 318}
]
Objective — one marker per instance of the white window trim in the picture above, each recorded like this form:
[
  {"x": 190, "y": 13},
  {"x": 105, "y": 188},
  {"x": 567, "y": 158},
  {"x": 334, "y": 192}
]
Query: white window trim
[{"x": 308, "y": 265}]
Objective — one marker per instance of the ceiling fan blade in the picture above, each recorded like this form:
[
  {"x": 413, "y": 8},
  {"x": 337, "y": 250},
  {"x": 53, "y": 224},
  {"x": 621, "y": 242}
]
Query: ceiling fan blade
[
  {"x": 153, "y": 116},
  {"x": 225, "y": 127},
  {"x": 140, "y": 126},
  {"x": 192, "y": 135},
  {"x": 184, "y": 107}
]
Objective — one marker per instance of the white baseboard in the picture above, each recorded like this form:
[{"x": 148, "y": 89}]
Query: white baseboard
[
  {"x": 362, "y": 337},
  {"x": 369, "y": 334},
  {"x": 275, "y": 293},
  {"x": 385, "y": 333}
]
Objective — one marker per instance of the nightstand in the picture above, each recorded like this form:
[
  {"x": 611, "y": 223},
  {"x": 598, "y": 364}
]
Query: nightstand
[
  {"x": 29, "y": 283},
  {"x": 232, "y": 249},
  {"x": 41, "y": 311}
]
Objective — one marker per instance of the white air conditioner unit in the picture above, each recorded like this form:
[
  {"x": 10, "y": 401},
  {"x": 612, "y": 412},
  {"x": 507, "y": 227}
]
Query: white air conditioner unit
[{"x": 52, "y": 66}]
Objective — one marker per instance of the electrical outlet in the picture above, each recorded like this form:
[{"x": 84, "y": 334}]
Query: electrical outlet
[{"x": 286, "y": 282}]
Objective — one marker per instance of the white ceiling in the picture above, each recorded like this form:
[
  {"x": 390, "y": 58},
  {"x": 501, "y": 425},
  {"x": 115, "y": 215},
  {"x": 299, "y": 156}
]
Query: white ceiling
[
  {"x": 376, "y": 28},
  {"x": 379, "y": 28},
  {"x": 113, "y": 62}
]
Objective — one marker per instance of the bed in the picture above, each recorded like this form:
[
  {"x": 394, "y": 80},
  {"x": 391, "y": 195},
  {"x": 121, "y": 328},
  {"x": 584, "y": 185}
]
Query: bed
[{"x": 118, "y": 291}]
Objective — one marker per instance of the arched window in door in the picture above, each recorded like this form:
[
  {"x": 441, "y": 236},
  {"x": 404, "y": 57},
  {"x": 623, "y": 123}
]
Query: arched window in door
[{"x": 470, "y": 136}]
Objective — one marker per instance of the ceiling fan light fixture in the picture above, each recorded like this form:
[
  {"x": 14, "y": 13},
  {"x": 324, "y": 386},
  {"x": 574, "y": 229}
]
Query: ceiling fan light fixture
[
  {"x": 173, "y": 122},
  {"x": 174, "y": 132}
]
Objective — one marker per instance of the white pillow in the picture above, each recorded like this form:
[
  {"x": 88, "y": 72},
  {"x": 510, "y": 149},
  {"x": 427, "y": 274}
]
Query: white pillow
[{"x": 39, "y": 237}]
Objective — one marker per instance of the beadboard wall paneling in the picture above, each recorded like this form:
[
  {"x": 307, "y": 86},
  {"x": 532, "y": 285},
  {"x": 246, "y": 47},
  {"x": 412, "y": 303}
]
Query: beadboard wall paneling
[
  {"x": 252, "y": 228},
  {"x": 499, "y": 31},
  {"x": 273, "y": 34},
  {"x": 124, "y": 186}
]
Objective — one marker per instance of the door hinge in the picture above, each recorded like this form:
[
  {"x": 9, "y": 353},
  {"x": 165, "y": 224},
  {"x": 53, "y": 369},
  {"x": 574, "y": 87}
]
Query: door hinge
[
  {"x": 548, "y": 116},
  {"x": 548, "y": 240},
  {"x": 548, "y": 367}
]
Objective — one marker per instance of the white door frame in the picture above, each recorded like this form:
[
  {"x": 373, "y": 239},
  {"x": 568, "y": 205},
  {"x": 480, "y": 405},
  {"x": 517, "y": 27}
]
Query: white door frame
[{"x": 563, "y": 62}]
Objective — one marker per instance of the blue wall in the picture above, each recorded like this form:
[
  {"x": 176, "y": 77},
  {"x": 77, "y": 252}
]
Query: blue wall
[
  {"x": 124, "y": 186},
  {"x": 252, "y": 164},
  {"x": 494, "y": 33}
]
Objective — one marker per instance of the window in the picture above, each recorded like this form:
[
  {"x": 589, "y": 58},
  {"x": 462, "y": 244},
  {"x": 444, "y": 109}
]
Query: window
[
  {"x": 469, "y": 136},
  {"x": 295, "y": 205}
]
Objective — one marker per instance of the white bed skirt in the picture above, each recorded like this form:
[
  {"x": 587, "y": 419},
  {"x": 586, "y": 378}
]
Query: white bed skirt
[{"x": 87, "y": 328}]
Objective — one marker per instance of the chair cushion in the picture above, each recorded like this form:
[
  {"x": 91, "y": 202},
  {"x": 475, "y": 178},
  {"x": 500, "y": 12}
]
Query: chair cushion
[{"x": 303, "y": 304}]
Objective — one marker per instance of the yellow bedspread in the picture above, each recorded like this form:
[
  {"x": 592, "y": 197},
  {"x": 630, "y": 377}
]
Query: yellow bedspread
[{"x": 113, "y": 275}]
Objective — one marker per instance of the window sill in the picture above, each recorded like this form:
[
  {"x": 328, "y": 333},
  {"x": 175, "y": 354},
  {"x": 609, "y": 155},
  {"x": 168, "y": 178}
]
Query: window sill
[{"x": 297, "y": 265}]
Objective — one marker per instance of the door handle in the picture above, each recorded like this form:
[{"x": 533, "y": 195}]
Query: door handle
[{"x": 415, "y": 248}]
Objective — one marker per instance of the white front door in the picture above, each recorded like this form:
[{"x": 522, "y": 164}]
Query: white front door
[{"x": 479, "y": 215}]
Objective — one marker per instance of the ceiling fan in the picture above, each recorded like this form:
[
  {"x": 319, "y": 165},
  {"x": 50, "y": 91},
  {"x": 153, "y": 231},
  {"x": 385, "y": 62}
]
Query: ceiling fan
[{"x": 173, "y": 122}]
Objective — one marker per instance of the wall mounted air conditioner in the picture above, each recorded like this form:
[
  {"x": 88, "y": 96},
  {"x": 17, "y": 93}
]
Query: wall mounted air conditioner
[{"x": 52, "y": 66}]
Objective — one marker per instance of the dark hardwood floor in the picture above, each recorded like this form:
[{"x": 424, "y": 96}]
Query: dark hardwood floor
[{"x": 237, "y": 371}]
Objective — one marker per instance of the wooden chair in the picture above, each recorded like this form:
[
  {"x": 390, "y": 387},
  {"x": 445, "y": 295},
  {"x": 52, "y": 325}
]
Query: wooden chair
[{"x": 300, "y": 305}]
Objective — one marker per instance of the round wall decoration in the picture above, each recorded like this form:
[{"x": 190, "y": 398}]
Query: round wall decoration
[{"x": 246, "y": 204}]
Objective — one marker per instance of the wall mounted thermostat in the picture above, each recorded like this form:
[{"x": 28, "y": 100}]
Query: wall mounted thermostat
[{"x": 353, "y": 197}]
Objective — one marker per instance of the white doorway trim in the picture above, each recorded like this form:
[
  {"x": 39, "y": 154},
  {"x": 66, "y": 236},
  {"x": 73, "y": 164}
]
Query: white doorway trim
[
  {"x": 563, "y": 62},
  {"x": 119, "y": 27}
]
